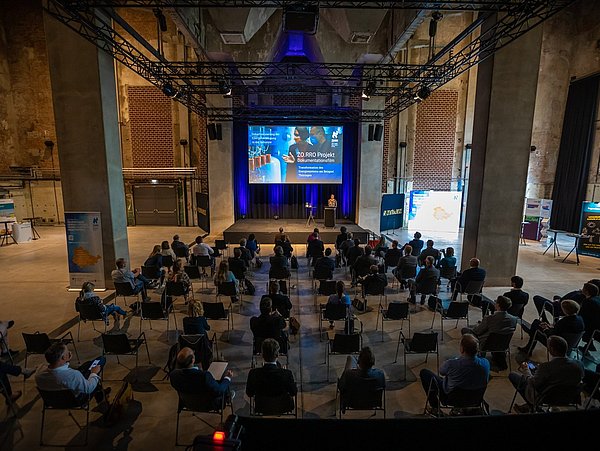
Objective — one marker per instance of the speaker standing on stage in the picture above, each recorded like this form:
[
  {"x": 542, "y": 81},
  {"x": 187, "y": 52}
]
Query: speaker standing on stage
[{"x": 332, "y": 202}]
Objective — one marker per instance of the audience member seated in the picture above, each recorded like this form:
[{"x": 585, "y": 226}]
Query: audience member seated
[
  {"x": 270, "y": 324},
  {"x": 448, "y": 260},
  {"x": 253, "y": 246},
  {"x": 237, "y": 265},
  {"x": 501, "y": 322},
  {"x": 154, "y": 260},
  {"x": 428, "y": 277},
  {"x": 576, "y": 295},
  {"x": 518, "y": 297},
  {"x": 138, "y": 282},
  {"x": 590, "y": 312},
  {"x": 225, "y": 275},
  {"x": 353, "y": 252},
  {"x": 340, "y": 297},
  {"x": 343, "y": 236},
  {"x": 559, "y": 370},
  {"x": 245, "y": 253},
  {"x": 312, "y": 235},
  {"x": 180, "y": 248},
  {"x": 83, "y": 382},
  {"x": 280, "y": 268},
  {"x": 407, "y": 267},
  {"x": 4, "y": 326},
  {"x": 195, "y": 323},
  {"x": 188, "y": 377},
  {"x": 279, "y": 302},
  {"x": 166, "y": 251},
  {"x": 392, "y": 256},
  {"x": 473, "y": 274},
  {"x": 429, "y": 251},
  {"x": 380, "y": 248},
  {"x": 345, "y": 247},
  {"x": 315, "y": 248},
  {"x": 13, "y": 370},
  {"x": 201, "y": 248},
  {"x": 357, "y": 378},
  {"x": 467, "y": 372},
  {"x": 287, "y": 248},
  {"x": 571, "y": 323},
  {"x": 88, "y": 297},
  {"x": 362, "y": 265},
  {"x": 270, "y": 380},
  {"x": 280, "y": 237},
  {"x": 324, "y": 266},
  {"x": 177, "y": 274},
  {"x": 416, "y": 244},
  {"x": 374, "y": 282}
]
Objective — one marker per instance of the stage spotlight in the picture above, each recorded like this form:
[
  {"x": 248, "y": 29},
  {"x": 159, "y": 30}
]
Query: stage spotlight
[
  {"x": 224, "y": 88},
  {"x": 422, "y": 93},
  {"x": 170, "y": 91},
  {"x": 369, "y": 90},
  {"x": 162, "y": 20}
]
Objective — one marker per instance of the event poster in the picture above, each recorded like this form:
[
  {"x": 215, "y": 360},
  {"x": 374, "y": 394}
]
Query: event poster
[
  {"x": 590, "y": 226},
  {"x": 84, "y": 248},
  {"x": 7, "y": 210},
  {"x": 392, "y": 212},
  {"x": 295, "y": 154},
  {"x": 436, "y": 211}
]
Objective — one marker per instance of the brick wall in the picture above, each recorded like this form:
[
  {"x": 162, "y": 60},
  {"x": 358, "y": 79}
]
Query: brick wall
[
  {"x": 434, "y": 141},
  {"x": 151, "y": 123}
]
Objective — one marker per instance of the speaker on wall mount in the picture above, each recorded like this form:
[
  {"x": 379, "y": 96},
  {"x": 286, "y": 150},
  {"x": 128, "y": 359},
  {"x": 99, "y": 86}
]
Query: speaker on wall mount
[
  {"x": 371, "y": 131},
  {"x": 212, "y": 132},
  {"x": 378, "y": 132}
]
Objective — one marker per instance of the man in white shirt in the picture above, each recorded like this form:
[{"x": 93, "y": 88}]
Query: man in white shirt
[
  {"x": 201, "y": 248},
  {"x": 57, "y": 375}
]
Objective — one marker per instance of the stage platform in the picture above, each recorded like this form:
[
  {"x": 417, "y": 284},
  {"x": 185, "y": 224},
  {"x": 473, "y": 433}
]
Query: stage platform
[{"x": 297, "y": 230}]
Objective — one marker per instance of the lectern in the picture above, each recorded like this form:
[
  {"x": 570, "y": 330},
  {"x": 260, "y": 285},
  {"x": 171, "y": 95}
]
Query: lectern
[{"x": 330, "y": 216}]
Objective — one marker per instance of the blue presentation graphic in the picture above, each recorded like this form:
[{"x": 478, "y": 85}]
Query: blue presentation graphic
[{"x": 295, "y": 154}]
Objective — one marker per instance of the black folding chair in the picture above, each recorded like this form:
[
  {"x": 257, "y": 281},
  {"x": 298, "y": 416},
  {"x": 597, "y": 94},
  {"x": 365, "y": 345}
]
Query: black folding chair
[
  {"x": 151, "y": 272},
  {"x": 472, "y": 288},
  {"x": 420, "y": 343},
  {"x": 456, "y": 310},
  {"x": 193, "y": 273},
  {"x": 205, "y": 261},
  {"x": 178, "y": 289},
  {"x": 498, "y": 343},
  {"x": 91, "y": 313},
  {"x": 368, "y": 397},
  {"x": 64, "y": 400},
  {"x": 326, "y": 288},
  {"x": 281, "y": 405},
  {"x": 38, "y": 343},
  {"x": 557, "y": 396},
  {"x": 332, "y": 312},
  {"x": 217, "y": 311},
  {"x": 125, "y": 290},
  {"x": 200, "y": 403},
  {"x": 221, "y": 245},
  {"x": 230, "y": 290},
  {"x": 154, "y": 311},
  {"x": 459, "y": 401},
  {"x": 167, "y": 261},
  {"x": 448, "y": 273},
  {"x": 343, "y": 344},
  {"x": 396, "y": 311},
  {"x": 121, "y": 344},
  {"x": 4, "y": 345}
]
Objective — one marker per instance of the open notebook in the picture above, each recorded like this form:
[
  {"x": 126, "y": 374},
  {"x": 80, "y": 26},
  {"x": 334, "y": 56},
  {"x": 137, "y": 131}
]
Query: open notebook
[{"x": 217, "y": 369}]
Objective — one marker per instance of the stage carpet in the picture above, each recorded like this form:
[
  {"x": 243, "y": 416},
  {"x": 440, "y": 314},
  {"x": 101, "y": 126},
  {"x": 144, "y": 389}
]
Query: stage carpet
[{"x": 297, "y": 230}]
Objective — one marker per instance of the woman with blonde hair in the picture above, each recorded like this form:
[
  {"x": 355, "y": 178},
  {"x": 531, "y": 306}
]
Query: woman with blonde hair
[{"x": 195, "y": 323}]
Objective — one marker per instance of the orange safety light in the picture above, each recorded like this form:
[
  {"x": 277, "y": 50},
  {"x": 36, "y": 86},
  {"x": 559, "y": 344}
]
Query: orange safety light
[{"x": 219, "y": 436}]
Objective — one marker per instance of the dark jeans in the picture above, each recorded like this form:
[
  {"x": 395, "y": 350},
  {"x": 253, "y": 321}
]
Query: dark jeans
[
  {"x": 428, "y": 378},
  {"x": 5, "y": 370}
]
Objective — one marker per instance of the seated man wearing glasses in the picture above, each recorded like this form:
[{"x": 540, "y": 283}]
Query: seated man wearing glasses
[{"x": 58, "y": 375}]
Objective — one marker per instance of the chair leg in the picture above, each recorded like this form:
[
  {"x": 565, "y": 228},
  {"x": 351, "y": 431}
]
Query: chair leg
[
  {"x": 78, "y": 329},
  {"x": 147, "y": 351},
  {"x": 74, "y": 348},
  {"x": 42, "y": 426},
  {"x": 177, "y": 430},
  {"x": 397, "y": 347}
]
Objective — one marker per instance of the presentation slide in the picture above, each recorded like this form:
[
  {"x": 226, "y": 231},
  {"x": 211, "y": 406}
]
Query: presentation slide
[{"x": 295, "y": 154}]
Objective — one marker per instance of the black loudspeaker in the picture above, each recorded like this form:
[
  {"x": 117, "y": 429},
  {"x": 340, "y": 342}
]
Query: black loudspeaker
[
  {"x": 301, "y": 19},
  {"x": 378, "y": 132},
  {"x": 219, "y": 134},
  {"x": 371, "y": 131},
  {"x": 212, "y": 131}
]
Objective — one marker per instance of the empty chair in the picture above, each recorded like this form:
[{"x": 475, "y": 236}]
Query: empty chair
[
  {"x": 498, "y": 343},
  {"x": 64, "y": 400},
  {"x": 151, "y": 272},
  {"x": 332, "y": 312},
  {"x": 38, "y": 343},
  {"x": 217, "y": 311},
  {"x": 473, "y": 287},
  {"x": 557, "y": 396},
  {"x": 448, "y": 273},
  {"x": 227, "y": 289},
  {"x": 204, "y": 261},
  {"x": 281, "y": 405},
  {"x": 456, "y": 310},
  {"x": 92, "y": 313},
  {"x": 221, "y": 245},
  {"x": 343, "y": 344},
  {"x": 178, "y": 289},
  {"x": 120, "y": 344},
  {"x": 193, "y": 273},
  {"x": 201, "y": 403},
  {"x": 396, "y": 311},
  {"x": 125, "y": 290},
  {"x": 420, "y": 343},
  {"x": 154, "y": 311},
  {"x": 326, "y": 288}
]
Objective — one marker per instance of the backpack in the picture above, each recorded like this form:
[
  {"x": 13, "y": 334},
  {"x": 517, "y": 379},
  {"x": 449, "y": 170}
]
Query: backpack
[
  {"x": 250, "y": 290},
  {"x": 294, "y": 262},
  {"x": 358, "y": 305},
  {"x": 294, "y": 325}
]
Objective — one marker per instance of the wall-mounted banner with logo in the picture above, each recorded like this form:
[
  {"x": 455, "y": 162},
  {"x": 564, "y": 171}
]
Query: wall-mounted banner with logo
[
  {"x": 84, "y": 248},
  {"x": 392, "y": 212},
  {"x": 590, "y": 226}
]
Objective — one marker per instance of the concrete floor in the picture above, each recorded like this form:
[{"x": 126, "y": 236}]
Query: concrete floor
[{"x": 34, "y": 295}]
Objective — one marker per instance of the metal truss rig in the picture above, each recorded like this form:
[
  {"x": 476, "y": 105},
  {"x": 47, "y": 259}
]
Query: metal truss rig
[{"x": 456, "y": 5}]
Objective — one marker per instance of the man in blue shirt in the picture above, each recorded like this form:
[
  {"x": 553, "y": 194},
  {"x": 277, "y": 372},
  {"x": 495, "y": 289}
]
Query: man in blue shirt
[
  {"x": 359, "y": 378},
  {"x": 468, "y": 372}
]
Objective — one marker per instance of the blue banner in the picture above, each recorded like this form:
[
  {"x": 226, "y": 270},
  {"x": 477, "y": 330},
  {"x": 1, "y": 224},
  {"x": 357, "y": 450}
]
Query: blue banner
[
  {"x": 392, "y": 212},
  {"x": 84, "y": 248},
  {"x": 590, "y": 226}
]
